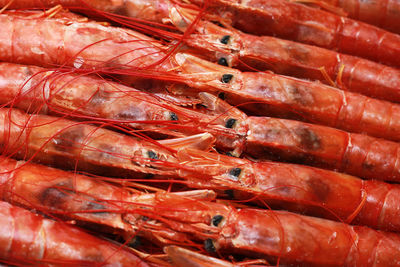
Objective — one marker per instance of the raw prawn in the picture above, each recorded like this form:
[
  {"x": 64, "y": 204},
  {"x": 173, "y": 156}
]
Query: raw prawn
[
  {"x": 87, "y": 200},
  {"x": 282, "y": 236},
  {"x": 28, "y": 238},
  {"x": 297, "y": 22},
  {"x": 293, "y": 187},
  {"x": 121, "y": 51},
  {"x": 231, "y": 47},
  {"x": 385, "y": 14},
  {"x": 321, "y": 146},
  {"x": 296, "y": 188},
  {"x": 35, "y": 90},
  {"x": 67, "y": 144},
  {"x": 267, "y": 94},
  {"x": 288, "y": 237},
  {"x": 287, "y": 58}
]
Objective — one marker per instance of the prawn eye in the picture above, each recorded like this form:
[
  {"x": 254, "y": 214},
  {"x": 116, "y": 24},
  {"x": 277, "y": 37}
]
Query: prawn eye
[
  {"x": 225, "y": 39},
  {"x": 217, "y": 219},
  {"x": 226, "y": 78},
  {"x": 223, "y": 62},
  {"x": 135, "y": 242},
  {"x": 173, "y": 116},
  {"x": 218, "y": 23},
  {"x": 229, "y": 123},
  {"x": 152, "y": 155},
  {"x": 209, "y": 246},
  {"x": 235, "y": 172},
  {"x": 222, "y": 95}
]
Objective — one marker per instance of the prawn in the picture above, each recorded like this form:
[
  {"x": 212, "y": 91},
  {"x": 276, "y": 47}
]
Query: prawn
[
  {"x": 29, "y": 238},
  {"x": 50, "y": 92},
  {"x": 231, "y": 47},
  {"x": 67, "y": 144},
  {"x": 297, "y": 22},
  {"x": 287, "y": 58},
  {"x": 283, "y": 237},
  {"x": 90, "y": 201},
  {"x": 294, "y": 187},
  {"x": 384, "y": 14},
  {"x": 321, "y": 146},
  {"x": 293, "y": 238},
  {"x": 120, "y": 51},
  {"x": 297, "y": 188},
  {"x": 225, "y": 228}
]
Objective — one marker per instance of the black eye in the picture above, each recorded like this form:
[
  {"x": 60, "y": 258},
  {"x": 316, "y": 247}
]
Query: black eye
[
  {"x": 152, "y": 155},
  {"x": 225, "y": 39},
  {"x": 216, "y": 220},
  {"x": 222, "y": 95},
  {"x": 226, "y": 78},
  {"x": 229, "y": 123},
  {"x": 145, "y": 218},
  {"x": 218, "y": 23},
  {"x": 223, "y": 62},
  {"x": 209, "y": 246},
  {"x": 235, "y": 172},
  {"x": 135, "y": 242},
  {"x": 173, "y": 117}
]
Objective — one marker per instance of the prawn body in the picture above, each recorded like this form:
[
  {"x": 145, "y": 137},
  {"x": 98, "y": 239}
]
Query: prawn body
[
  {"x": 356, "y": 154},
  {"x": 92, "y": 202},
  {"x": 29, "y": 238},
  {"x": 296, "y": 188},
  {"x": 304, "y": 24},
  {"x": 317, "y": 242},
  {"x": 384, "y": 14},
  {"x": 243, "y": 230},
  {"x": 46, "y": 91},
  {"x": 288, "y": 237},
  {"x": 288, "y": 58},
  {"x": 69, "y": 144}
]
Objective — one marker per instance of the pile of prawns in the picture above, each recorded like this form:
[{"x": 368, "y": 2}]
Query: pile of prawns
[{"x": 200, "y": 133}]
